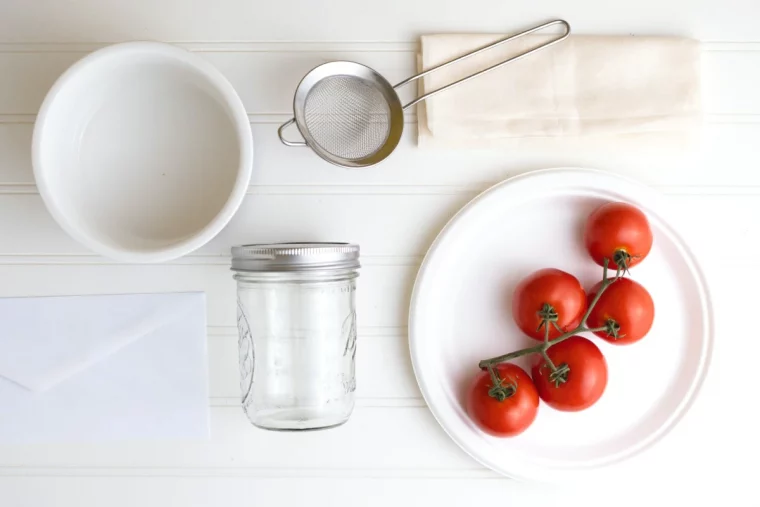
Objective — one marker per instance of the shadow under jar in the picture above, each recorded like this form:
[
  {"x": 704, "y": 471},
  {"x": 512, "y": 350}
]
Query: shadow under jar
[{"x": 297, "y": 333}]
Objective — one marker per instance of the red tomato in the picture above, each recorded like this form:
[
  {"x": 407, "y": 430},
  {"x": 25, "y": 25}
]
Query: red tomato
[
  {"x": 585, "y": 379},
  {"x": 511, "y": 416},
  {"x": 630, "y": 308},
  {"x": 562, "y": 291},
  {"x": 618, "y": 232}
]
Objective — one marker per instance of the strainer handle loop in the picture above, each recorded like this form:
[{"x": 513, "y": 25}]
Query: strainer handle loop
[
  {"x": 564, "y": 23},
  {"x": 285, "y": 141}
]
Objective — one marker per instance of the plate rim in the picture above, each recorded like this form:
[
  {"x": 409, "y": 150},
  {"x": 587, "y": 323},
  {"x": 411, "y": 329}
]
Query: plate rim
[{"x": 683, "y": 407}]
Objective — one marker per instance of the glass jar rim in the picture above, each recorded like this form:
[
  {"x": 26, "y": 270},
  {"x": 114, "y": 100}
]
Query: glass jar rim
[{"x": 295, "y": 277}]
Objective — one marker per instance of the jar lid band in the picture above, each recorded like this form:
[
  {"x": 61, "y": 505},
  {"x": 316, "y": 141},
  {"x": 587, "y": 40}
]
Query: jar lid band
[{"x": 280, "y": 257}]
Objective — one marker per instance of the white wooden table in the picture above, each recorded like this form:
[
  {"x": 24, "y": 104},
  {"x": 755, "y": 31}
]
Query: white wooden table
[{"x": 391, "y": 450}]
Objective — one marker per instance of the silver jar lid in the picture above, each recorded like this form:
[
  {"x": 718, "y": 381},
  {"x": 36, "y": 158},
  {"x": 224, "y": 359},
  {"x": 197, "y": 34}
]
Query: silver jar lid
[{"x": 281, "y": 257}]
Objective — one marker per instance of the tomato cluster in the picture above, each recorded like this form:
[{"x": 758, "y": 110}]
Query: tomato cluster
[{"x": 568, "y": 372}]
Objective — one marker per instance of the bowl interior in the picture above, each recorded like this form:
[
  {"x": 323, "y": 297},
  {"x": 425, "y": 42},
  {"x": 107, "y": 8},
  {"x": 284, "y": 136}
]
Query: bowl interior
[{"x": 138, "y": 151}]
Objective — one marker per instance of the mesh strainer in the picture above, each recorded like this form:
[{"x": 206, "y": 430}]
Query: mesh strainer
[{"x": 351, "y": 116}]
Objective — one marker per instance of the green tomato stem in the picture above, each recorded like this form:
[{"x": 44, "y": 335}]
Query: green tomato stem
[
  {"x": 495, "y": 380},
  {"x": 548, "y": 361},
  {"x": 499, "y": 390},
  {"x": 606, "y": 282},
  {"x": 544, "y": 348}
]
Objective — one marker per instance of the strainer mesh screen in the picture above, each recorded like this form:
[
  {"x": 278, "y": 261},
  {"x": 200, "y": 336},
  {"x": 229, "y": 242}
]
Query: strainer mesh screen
[{"x": 347, "y": 116}]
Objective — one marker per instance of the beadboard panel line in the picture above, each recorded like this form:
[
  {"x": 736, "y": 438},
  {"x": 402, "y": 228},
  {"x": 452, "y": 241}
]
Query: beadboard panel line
[
  {"x": 410, "y": 118},
  {"x": 289, "y": 46},
  {"x": 410, "y": 402},
  {"x": 191, "y": 260},
  {"x": 394, "y": 332},
  {"x": 247, "y": 471},
  {"x": 412, "y": 190}
]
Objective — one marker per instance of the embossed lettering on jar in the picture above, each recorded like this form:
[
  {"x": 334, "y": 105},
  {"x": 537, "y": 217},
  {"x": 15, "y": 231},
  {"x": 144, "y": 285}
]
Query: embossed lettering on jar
[{"x": 296, "y": 317}]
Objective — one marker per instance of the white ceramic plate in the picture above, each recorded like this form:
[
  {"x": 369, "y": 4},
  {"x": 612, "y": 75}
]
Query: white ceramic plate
[
  {"x": 460, "y": 314},
  {"x": 142, "y": 151}
]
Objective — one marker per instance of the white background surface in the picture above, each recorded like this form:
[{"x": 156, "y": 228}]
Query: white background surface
[{"x": 391, "y": 451}]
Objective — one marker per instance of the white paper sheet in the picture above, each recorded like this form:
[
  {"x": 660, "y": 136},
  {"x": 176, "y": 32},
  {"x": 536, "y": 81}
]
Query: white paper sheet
[{"x": 103, "y": 368}]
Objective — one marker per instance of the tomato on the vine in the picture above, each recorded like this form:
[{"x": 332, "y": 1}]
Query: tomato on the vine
[
  {"x": 626, "y": 309},
  {"x": 511, "y": 415},
  {"x": 620, "y": 233},
  {"x": 561, "y": 291},
  {"x": 580, "y": 379}
]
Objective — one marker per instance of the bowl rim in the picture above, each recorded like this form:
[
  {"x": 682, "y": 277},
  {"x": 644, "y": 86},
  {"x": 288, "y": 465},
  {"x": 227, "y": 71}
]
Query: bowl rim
[{"x": 235, "y": 109}]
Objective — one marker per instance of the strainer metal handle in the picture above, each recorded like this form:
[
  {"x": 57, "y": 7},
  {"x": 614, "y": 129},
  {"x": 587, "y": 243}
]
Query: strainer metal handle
[
  {"x": 285, "y": 141},
  {"x": 351, "y": 116},
  {"x": 562, "y": 22}
]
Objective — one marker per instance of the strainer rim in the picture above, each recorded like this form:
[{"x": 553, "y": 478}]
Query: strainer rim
[{"x": 359, "y": 71}]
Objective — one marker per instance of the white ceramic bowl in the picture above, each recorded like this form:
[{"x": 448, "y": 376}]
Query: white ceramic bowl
[{"x": 142, "y": 151}]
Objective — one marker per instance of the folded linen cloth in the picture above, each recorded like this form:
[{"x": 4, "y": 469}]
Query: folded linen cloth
[{"x": 586, "y": 87}]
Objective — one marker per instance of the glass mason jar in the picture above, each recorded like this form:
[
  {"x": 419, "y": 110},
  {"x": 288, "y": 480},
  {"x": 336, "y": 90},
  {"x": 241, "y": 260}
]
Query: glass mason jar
[{"x": 297, "y": 333}]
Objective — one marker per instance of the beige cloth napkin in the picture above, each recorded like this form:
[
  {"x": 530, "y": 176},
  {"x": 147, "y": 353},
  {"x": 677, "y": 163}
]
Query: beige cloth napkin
[{"x": 584, "y": 88}]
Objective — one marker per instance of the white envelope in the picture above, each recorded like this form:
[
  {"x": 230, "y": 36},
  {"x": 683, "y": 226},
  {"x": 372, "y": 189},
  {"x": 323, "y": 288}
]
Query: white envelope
[{"x": 103, "y": 368}]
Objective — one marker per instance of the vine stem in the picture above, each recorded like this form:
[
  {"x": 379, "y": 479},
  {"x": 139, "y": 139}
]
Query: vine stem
[
  {"x": 495, "y": 380},
  {"x": 543, "y": 347},
  {"x": 548, "y": 360},
  {"x": 606, "y": 282}
]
